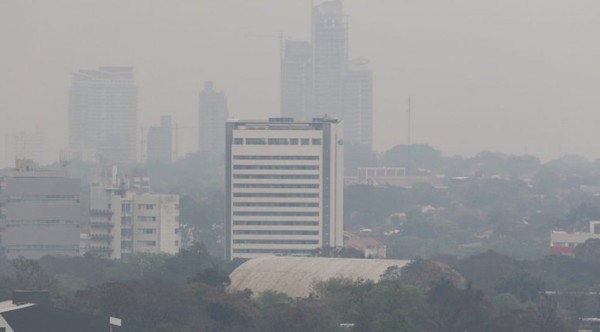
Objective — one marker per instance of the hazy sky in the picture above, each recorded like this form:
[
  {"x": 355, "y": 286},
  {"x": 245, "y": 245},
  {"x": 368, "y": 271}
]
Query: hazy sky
[{"x": 514, "y": 76}]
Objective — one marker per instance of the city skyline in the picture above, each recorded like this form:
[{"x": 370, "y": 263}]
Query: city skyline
[{"x": 518, "y": 77}]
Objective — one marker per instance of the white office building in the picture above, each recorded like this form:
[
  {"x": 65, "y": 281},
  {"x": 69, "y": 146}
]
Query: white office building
[{"x": 284, "y": 185}]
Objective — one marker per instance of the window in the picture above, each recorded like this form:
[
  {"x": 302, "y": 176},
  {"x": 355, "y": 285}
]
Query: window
[
  {"x": 305, "y": 141},
  {"x": 278, "y": 141},
  {"x": 279, "y": 157},
  {"x": 276, "y": 204},
  {"x": 275, "y": 176},
  {"x": 276, "y": 185},
  {"x": 238, "y": 141},
  {"x": 145, "y": 206},
  {"x": 147, "y": 230},
  {"x": 293, "y": 141},
  {"x": 276, "y": 213},
  {"x": 274, "y": 223},
  {"x": 316, "y": 141},
  {"x": 256, "y": 141}
]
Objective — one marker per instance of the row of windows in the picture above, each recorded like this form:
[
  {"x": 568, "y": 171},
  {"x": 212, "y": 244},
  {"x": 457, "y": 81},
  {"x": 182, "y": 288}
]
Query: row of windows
[
  {"x": 277, "y": 185},
  {"x": 276, "y": 157},
  {"x": 276, "y": 213},
  {"x": 275, "y": 223},
  {"x": 147, "y": 218},
  {"x": 254, "y": 232},
  {"x": 286, "y": 167},
  {"x": 145, "y": 206},
  {"x": 303, "y": 195},
  {"x": 277, "y": 204},
  {"x": 274, "y": 251},
  {"x": 42, "y": 198},
  {"x": 275, "y": 176},
  {"x": 147, "y": 243},
  {"x": 13, "y": 223},
  {"x": 277, "y": 141},
  {"x": 277, "y": 241}
]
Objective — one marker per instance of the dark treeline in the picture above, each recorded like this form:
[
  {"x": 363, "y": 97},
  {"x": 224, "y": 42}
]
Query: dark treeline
[{"x": 187, "y": 292}]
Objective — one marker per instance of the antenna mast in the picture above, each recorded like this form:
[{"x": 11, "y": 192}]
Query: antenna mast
[{"x": 408, "y": 161}]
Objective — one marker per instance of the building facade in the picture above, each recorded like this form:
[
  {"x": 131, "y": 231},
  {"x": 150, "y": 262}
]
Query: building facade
[
  {"x": 160, "y": 141},
  {"x": 330, "y": 58},
  {"x": 296, "y": 80},
  {"x": 318, "y": 80},
  {"x": 103, "y": 114},
  {"x": 358, "y": 105},
  {"x": 127, "y": 219},
  {"x": 212, "y": 115},
  {"x": 284, "y": 183},
  {"x": 40, "y": 212}
]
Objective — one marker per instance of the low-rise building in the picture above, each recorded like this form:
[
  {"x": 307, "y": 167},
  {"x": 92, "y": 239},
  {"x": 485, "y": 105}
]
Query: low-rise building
[
  {"x": 40, "y": 212},
  {"x": 564, "y": 243}
]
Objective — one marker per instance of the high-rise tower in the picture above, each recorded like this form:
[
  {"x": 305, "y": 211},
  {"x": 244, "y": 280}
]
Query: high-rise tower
[
  {"x": 330, "y": 57},
  {"x": 103, "y": 113},
  {"x": 160, "y": 141},
  {"x": 358, "y": 104},
  {"x": 212, "y": 115},
  {"x": 296, "y": 80}
]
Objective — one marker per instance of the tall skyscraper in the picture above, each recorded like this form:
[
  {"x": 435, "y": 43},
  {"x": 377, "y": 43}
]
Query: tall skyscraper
[
  {"x": 317, "y": 79},
  {"x": 284, "y": 183},
  {"x": 160, "y": 141},
  {"x": 358, "y": 104},
  {"x": 296, "y": 80},
  {"x": 103, "y": 114},
  {"x": 212, "y": 115},
  {"x": 330, "y": 57}
]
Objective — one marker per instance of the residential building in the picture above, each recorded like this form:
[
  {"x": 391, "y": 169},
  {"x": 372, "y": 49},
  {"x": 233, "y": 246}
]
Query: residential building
[
  {"x": 564, "y": 243},
  {"x": 126, "y": 218},
  {"x": 40, "y": 212},
  {"x": 160, "y": 142},
  {"x": 103, "y": 114},
  {"x": 212, "y": 115},
  {"x": 284, "y": 183},
  {"x": 296, "y": 80}
]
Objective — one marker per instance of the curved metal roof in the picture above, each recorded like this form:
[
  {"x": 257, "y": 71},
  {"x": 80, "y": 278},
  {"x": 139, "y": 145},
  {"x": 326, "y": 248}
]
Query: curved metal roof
[{"x": 295, "y": 276}]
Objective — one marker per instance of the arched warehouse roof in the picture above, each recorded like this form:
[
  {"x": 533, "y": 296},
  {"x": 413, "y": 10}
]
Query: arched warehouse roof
[{"x": 295, "y": 276}]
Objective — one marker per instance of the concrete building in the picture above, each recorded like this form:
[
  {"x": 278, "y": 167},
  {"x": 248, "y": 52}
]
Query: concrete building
[
  {"x": 212, "y": 115},
  {"x": 564, "y": 243},
  {"x": 40, "y": 212},
  {"x": 296, "y": 80},
  {"x": 284, "y": 183},
  {"x": 330, "y": 58},
  {"x": 126, "y": 218},
  {"x": 103, "y": 114},
  {"x": 358, "y": 104},
  {"x": 318, "y": 80},
  {"x": 160, "y": 141}
]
